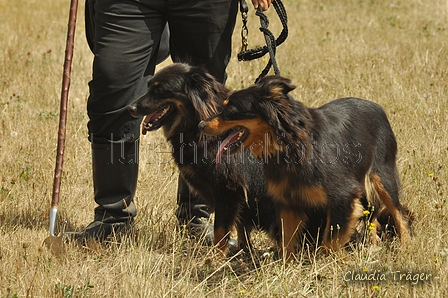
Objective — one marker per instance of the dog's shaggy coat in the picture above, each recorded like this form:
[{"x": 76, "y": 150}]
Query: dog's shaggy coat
[
  {"x": 179, "y": 96},
  {"x": 336, "y": 160}
]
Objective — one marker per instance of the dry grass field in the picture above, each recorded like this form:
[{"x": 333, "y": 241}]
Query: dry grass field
[{"x": 392, "y": 52}]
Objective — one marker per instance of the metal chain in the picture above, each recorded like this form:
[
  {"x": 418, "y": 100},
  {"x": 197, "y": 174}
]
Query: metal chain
[{"x": 244, "y": 30}]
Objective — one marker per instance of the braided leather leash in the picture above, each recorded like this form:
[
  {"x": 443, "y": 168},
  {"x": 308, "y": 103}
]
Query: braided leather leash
[{"x": 271, "y": 42}]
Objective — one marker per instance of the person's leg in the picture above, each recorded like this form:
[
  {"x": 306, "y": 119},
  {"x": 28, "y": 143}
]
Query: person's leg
[
  {"x": 126, "y": 34},
  {"x": 201, "y": 34}
]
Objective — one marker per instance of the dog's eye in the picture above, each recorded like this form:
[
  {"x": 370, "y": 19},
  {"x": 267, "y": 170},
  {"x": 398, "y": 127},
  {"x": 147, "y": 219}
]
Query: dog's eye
[
  {"x": 154, "y": 86},
  {"x": 157, "y": 90},
  {"x": 231, "y": 109}
]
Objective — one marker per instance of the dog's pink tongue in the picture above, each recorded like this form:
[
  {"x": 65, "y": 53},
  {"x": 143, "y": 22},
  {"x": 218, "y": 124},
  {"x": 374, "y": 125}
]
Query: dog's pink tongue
[
  {"x": 233, "y": 138},
  {"x": 149, "y": 118}
]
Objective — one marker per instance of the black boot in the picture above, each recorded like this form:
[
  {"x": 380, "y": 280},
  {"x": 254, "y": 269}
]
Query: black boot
[{"x": 115, "y": 173}]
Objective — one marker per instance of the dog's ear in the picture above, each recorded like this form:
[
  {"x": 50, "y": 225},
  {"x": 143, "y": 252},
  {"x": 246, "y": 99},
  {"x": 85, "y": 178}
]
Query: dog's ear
[
  {"x": 276, "y": 86},
  {"x": 201, "y": 88},
  {"x": 198, "y": 78}
]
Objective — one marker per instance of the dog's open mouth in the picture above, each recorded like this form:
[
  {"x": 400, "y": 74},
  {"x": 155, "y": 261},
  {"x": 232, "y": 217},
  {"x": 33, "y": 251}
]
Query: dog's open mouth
[
  {"x": 154, "y": 120},
  {"x": 232, "y": 139}
]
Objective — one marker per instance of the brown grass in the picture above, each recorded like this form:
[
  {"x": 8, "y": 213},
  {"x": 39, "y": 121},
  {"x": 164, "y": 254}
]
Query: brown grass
[{"x": 391, "y": 52}]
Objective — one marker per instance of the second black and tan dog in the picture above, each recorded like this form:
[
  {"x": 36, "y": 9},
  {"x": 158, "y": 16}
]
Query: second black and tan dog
[
  {"x": 179, "y": 96},
  {"x": 337, "y": 159}
]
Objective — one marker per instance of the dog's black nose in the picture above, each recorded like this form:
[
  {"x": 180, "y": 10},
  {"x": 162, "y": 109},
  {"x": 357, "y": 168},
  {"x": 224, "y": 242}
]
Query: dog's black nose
[
  {"x": 201, "y": 125},
  {"x": 132, "y": 108}
]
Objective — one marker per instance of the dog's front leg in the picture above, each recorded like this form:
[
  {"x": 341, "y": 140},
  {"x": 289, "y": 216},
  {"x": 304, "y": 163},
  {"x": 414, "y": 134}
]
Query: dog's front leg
[
  {"x": 221, "y": 227},
  {"x": 291, "y": 222},
  {"x": 221, "y": 237}
]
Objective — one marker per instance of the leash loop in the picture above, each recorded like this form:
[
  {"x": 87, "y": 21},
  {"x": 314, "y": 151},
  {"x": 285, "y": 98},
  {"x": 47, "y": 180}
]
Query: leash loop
[{"x": 271, "y": 42}]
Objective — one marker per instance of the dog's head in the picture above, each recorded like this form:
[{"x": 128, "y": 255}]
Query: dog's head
[
  {"x": 253, "y": 117},
  {"x": 178, "y": 97}
]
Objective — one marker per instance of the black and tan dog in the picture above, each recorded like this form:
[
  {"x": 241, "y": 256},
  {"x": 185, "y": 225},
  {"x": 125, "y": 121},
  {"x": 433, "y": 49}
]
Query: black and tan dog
[
  {"x": 179, "y": 96},
  {"x": 337, "y": 159}
]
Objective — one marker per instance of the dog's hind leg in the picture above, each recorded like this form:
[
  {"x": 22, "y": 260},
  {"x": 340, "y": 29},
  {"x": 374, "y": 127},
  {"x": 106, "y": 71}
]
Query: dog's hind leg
[
  {"x": 393, "y": 205},
  {"x": 341, "y": 226},
  {"x": 373, "y": 205}
]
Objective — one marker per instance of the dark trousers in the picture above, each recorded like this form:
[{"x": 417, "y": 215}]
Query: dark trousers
[{"x": 127, "y": 35}]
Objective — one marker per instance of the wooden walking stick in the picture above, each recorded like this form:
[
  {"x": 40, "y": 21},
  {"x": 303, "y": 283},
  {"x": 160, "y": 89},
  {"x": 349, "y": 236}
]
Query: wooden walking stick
[{"x": 53, "y": 242}]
